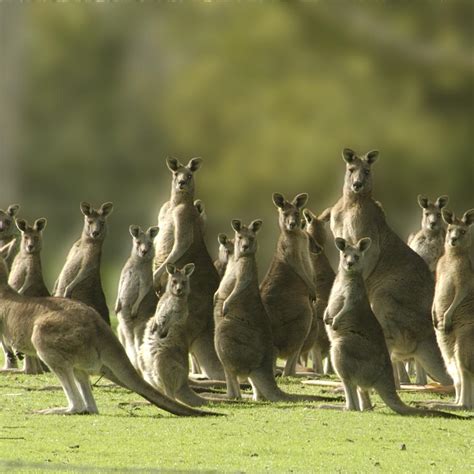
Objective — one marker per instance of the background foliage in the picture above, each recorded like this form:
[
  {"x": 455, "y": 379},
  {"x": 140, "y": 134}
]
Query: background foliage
[{"x": 95, "y": 96}]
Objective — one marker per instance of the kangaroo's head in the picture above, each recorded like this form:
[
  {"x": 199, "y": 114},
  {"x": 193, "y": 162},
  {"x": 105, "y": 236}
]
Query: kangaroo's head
[
  {"x": 432, "y": 220},
  {"x": 458, "y": 231},
  {"x": 178, "y": 279},
  {"x": 183, "y": 176},
  {"x": 226, "y": 247},
  {"x": 315, "y": 225},
  {"x": 289, "y": 213},
  {"x": 31, "y": 236},
  {"x": 358, "y": 179},
  {"x": 245, "y": 241},
  {"x": 143, "y": 241},
  {"x": 7, "y": 221},
  {"x": 351, "y": 256},
  {"x": 95, "y": 220}
]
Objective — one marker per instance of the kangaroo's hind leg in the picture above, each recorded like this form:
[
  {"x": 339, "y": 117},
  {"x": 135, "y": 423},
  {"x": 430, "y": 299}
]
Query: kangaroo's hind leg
[{"x": 84, "y": 385}]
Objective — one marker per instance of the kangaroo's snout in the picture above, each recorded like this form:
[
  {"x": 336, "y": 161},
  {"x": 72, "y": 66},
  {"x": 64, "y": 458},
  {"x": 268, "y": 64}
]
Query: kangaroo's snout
[
  {"x": 30, "y": 247},
  {"x": 357, "y": 186},
  {"x": 95, "y": 233}
]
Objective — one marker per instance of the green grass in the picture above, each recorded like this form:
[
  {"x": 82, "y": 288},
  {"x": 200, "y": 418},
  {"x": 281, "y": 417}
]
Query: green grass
[{"x": 252, "y": 437}]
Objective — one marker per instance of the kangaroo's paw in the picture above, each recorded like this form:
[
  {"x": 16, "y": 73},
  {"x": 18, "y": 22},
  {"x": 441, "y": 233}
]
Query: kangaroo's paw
[{"x": 64, "y": 411}]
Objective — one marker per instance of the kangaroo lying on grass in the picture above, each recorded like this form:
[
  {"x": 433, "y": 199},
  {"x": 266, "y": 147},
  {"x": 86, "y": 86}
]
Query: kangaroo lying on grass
[
  {"x": 179, "y": 242},
  {"x": 164, "y": 359},
  {"x": 318, "y": 340},
  {"x": 136, "y": 299},
  {"x": 359, "y": 353},
  {"x": 288, "y": 287},
  {"x": 453, "y": 308},
  {"x": 243, "y": 330},
  {"x": 80, "y": 277},
  {"x": 26, "y": 274},
  {"x": 399, "y": 283},
  {"x": 8, "y": 233},
  {"x": 74, "y": 341}
]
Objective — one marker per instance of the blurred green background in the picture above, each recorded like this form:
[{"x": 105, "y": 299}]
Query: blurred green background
[{"x": 93, "y": 98}]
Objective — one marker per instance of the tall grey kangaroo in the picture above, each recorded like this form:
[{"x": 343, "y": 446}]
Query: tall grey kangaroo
[
  {"x": 80, "y": 277},
  {"x": 288, "y": 286},
  {"x": 399, "y": 283},
  {"x": 179, "y": 242}
]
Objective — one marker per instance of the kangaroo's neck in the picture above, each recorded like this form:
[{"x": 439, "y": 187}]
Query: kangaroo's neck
[
  {"x": 350, "y": 197},
  {"x": 458, "y": 258},
  {"x": 246, "y": 268},
  {"x": 353, "y": 281},
  {"x": 31, "y": 260},
  {"x": 92, "y": 246},
  {"x": 181, "y": 197}
]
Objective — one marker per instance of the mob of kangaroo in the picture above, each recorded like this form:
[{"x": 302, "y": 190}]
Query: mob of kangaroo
[{"x": 190, "y": 325}]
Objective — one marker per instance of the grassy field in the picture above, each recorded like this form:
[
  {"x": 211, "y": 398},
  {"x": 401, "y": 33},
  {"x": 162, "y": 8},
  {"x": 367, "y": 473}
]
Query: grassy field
[{"x": 130, "y": 436}]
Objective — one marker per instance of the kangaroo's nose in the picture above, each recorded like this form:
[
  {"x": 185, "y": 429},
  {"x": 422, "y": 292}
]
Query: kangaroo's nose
[
  {"x": 453, "y": 240},
  {"x": 95, "y": 233},
  {"x": 350, "y": 263},
  {"x": 30, "y": 247},
  {"x": 432, "y": 225},
  {"x": 357, "y": 185},
  {"x": 245, "y": 246}
]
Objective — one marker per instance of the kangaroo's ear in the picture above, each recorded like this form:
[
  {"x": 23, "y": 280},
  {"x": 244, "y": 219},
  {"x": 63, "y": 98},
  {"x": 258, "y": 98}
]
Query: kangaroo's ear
[
  {"x": 422, "y": 201},
  {"x": 222, "y": 238},
  {"x": 364, "y": 244},
  {"x": 153, "y": 231},
  {"x": 300, "y": 200},
  {"x": 21, "y": 224},
  {"x": 86, "y": 208},
  {"x": 442, "y": 201},
  {"x": 134, "y": 231},
  {"x": 448, "y": 216},
  {"x": 468, "y": 217},
  {"x": 236, "y": 225},
  {"x": 199, "y": 205},
  {"x": 348, "y": 155},
  {"x": 173, "y": 164},
  {"x": 278, "y": 200},
  {"x": 371, "y": 156},
  {"x": 106, "y": 208},
  {"x": 314, "y": 247},
  {"x": 13, "y": 209},
  {"x": 255, "y": 225},
  {"x": 340, "y": 243},
  {"x": 308, "y": 216},
  {"x": 40, "y": 224},
  {"x": 5, "y": 250},
  {"x": 189, "y": 269},
  {"x": 194, "y": 164},
  {"x": 170, "y": 269}
]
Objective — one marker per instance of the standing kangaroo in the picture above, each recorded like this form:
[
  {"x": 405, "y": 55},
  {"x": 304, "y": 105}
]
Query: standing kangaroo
[
  {"x": 226, "y": 250},
  {"x": 164, "y": 356},
  {"x": 453, "y": 308},
  {"x": 243, "y": 330},
  {"x": 288, "y": 287},
  {"x": 136, "y": 299},
  {"x": 179, "y": 242},
  {"x": 74, "y": 341},
  {"x": 26, "y": 274},
  {"x": 358, "y": 350},
  {"x": 428, "y": 242},
  {"x": 318, "y": 340},
  {"x": 80, "y": 277},
  {"x": 399, "y": 283},
  {"x": 8, "y": 235}
]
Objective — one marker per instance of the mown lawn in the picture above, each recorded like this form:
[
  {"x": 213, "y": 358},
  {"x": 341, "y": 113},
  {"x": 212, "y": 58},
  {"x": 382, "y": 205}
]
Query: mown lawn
[{"x": 130, "y": 436}]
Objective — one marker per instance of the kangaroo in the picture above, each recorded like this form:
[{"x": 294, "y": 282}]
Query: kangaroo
[
  {"x": 243, "y": 330},
  {"x": 288, "y": 286},
  {"x": 8, "y": 234},
  {"x": 164, "y": 353},
  {"x": 318, "y": 340},
  {"x": 26, "y": 274},
  {"x": 453, "y": 308},
  {"x": 74, "y": 341},
  {"x": 359, "y": 353},
  {"x": 399, "y": 283},
  {"x": 428, "y": 242},
  {"x": 226, "y": 250},
  {"x": 80, "y": 277},
  {"x": 179, "y": 242},
  {"x": 136, "y": 299}
]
